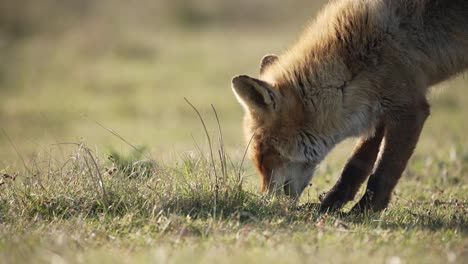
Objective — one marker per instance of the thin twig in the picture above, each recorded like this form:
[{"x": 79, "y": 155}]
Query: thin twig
[
  {"x": 96, "y": 166},
  {"x": 223, "y": 165},
  {"x": 101, "y": 181},
  {"x": 113, "y": 132},
  {"x": 198, "y": 147},
  {"x": 207, "y": 135},
  {"x": 215, "y": 205},
  {"x": 95, "y": 181},
  {"x": 243, "y": 158},
  {"x": 221, "y": 145}
]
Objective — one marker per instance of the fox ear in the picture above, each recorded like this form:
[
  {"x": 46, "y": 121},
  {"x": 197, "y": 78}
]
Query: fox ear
[
  {"x": 254, "y": 95},
  {"x": 267, "y": 60}
]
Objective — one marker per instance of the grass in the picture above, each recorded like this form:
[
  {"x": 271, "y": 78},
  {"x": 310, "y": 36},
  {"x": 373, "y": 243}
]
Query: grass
[
  {"x": 172, "y": 214},
  {"x": 128, "y": 208},
  {"x": 102, "y": 160}
]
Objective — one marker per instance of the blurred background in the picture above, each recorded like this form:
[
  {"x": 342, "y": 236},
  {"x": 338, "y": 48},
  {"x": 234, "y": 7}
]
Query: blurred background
[{"x": 67, "y": 64}]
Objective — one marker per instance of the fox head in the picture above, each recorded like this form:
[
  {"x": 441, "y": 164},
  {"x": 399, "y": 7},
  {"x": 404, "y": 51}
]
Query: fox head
[{"x": 284, "y": 147}]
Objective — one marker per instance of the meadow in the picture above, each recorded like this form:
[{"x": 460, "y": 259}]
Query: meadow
[{"x": 103, "y": 160}]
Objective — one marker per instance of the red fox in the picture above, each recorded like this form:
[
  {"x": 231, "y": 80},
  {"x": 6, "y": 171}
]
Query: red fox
[{"x": 362, "y": 68}]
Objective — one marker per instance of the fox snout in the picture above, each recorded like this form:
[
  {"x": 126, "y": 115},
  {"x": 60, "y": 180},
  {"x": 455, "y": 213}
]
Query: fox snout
[{"x": 290, "y": 179}]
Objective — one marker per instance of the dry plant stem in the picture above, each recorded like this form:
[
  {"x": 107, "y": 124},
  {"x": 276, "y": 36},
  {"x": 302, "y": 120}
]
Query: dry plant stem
[
  {"x": 124, "y": 140},
  {"x": 243, "y": 159},
  {"x": 211, "y": 151},
  {"x": 100, "y": 180},
  {"x": 96, "y": 166},
  {"x": 206, "y": 133},
  {"x": 222, "y": 153},
  {"x": 198, "y": 147}
]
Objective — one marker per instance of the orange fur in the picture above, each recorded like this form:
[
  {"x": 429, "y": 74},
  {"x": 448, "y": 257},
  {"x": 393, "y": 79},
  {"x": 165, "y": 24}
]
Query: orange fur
[{"x": 361, "y": 65}]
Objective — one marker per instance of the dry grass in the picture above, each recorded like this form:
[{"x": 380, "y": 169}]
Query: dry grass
[{"x": 143, "y": 183}]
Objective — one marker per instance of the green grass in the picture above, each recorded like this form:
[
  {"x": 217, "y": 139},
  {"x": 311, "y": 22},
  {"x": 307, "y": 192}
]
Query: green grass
[
  {"x": 87, "y": 209},
  {"x": 72, "y": 191}
]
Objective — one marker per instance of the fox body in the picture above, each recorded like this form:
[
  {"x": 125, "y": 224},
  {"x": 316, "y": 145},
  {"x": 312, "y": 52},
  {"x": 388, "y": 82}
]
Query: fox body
[{"x": 362, "y": 68}]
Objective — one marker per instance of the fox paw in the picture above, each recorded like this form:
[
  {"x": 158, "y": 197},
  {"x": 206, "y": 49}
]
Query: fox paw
[
  {"x": 332, "y": 201},
  {"x": 370, "y": 203}
]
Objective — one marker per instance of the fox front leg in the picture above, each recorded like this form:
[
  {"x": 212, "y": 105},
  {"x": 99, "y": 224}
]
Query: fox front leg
[
  {"x": 355, "y": 172},
  {"x": 402, "y": 130}
]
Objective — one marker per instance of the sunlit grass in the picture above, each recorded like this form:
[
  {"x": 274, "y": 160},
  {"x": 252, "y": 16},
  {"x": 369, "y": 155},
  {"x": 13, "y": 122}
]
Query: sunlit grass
[
  {"x": 103, "y": 161},
  {"x": 129, "y": 209}
]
